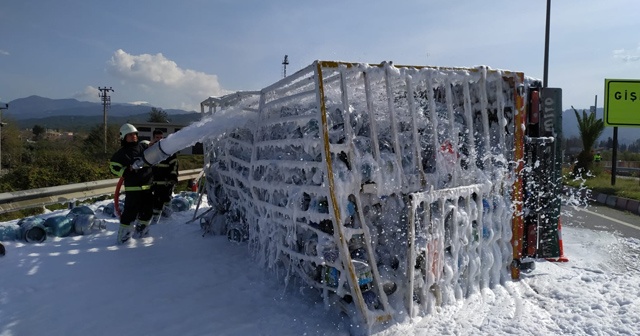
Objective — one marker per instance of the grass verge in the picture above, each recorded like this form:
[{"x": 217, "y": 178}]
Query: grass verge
[{"x": 624, "y": 187}]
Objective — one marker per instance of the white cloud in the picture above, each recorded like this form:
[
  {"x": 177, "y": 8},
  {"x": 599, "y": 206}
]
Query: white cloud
[
  {"x": 627, "y": 55},
  {"x": 3, "y": 52},
  {"x": 139, "y": 102},
  {"x": 89, "y": 93},
  {"x": 162, "y": 82}
]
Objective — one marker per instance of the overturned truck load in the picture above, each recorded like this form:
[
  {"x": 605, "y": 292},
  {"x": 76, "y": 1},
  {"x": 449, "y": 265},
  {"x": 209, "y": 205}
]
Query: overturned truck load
[{"x": 391, "y": 189}]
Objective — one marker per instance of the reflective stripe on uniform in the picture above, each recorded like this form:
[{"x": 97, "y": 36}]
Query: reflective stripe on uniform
[
  {"x": 116, "y": 168},
  {"x": 144, "y": 187},
  {"x": 164, "y": 182}
]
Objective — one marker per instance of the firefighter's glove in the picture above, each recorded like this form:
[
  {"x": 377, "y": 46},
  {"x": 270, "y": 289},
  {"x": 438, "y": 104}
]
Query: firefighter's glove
[{"x": 138, "y": 163}]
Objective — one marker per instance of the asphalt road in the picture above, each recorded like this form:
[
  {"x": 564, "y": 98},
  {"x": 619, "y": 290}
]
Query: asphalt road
[{"x": 599, "y": 217}]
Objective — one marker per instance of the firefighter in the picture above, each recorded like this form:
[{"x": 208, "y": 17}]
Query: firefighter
[
  {"x": 138, "y": 202},
  {"x": 165, "y": 178}
]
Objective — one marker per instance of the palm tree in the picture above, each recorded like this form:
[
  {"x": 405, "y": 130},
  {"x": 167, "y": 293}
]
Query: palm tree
[{"x": 590, "y": 130}]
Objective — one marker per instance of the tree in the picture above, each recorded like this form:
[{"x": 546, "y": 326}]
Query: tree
[
  {"x": 38, "y": 132},
  {"x": 53, "y": 168},
  {"x": 158, "y": 115},
  {"x": 609, "y": 143},
  {"x": 635, "y": 146},
  {"x": 12, "y": 144},
  {"x": 590, "y": 130},
  {"x": 93, "y": 144}
]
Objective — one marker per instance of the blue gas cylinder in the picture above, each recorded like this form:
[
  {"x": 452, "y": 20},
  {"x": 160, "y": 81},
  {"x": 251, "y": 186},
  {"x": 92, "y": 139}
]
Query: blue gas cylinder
[{"x": 32, "y": 230}]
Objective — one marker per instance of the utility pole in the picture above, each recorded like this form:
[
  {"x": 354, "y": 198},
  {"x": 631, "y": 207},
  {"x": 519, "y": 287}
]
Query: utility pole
[
  {"x": 284, "y": 66},
  {"x": 106, "y": 102},
  {"x": 545, "y": 79},
  {"x": 6, "y": 107}
]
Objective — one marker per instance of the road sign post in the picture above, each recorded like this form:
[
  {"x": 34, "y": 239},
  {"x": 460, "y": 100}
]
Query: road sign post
[{"x": 621, "y": 109}]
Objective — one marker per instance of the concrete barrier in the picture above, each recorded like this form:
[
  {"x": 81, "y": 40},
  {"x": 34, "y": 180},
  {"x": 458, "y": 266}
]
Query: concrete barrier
[
  {"x": 621, "y": 203},
  {"x": 602, "y": 198},
  {"x": 633, "y": 206}
]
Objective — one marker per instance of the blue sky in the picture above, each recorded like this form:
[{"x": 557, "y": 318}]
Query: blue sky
[{"x": 174, "y": 54}]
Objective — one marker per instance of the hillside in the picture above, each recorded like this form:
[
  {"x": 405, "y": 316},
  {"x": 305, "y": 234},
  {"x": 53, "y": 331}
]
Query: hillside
[
  {"x": 84, "y": 123},
  {"x": 74, "y": 115}
]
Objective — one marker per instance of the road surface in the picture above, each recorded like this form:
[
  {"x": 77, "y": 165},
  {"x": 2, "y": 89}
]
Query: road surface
[{"x": 600, "y": 217}]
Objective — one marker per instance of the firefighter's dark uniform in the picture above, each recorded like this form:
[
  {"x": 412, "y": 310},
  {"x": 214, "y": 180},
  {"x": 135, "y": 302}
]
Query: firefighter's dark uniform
[
  {"x": 138, "y": 202},
  {"x": 165, "y": 178}
]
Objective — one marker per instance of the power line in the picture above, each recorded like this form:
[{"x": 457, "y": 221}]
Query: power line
[{"x": 106, "y": 102}]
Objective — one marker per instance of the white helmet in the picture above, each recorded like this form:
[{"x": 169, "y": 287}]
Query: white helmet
[
  {"x": 146, "y": 142},
  {"x": 126, "y": 129}
]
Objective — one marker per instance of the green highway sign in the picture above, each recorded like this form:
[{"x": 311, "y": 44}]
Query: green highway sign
[{"x": 622, "y": 102}]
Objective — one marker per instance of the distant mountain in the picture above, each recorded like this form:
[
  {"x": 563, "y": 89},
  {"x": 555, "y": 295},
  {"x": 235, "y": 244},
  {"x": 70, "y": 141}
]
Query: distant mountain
[
  {"x": 626, "y": 135},
  {"x": 40, "y": 107},
  {"x": 74, "y": 115},
  {"x": 36, "y": 106}
]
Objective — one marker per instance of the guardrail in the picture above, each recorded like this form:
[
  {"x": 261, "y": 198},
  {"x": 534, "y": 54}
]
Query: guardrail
[
  {"x": 25, "y": 199},
  {"x": 625, "y": 170},
  {"x": 623, "y": 164},
  {"x": 623, "y": 167}
]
